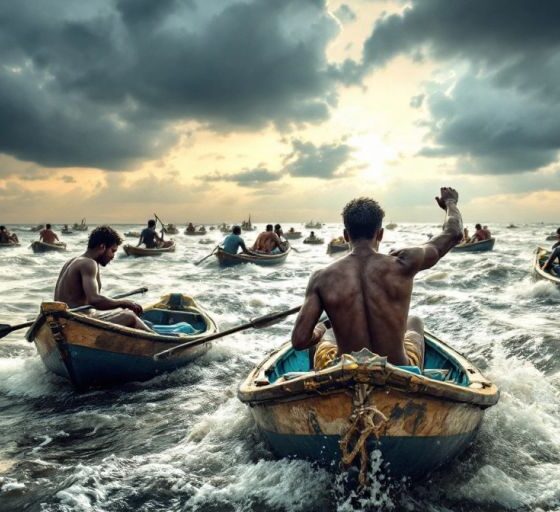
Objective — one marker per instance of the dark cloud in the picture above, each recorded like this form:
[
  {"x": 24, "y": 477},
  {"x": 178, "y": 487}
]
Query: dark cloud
[
  {"x": 345, "y": 14},
  {"x": 97, "y": 84},
  {"x": 325, "y": 161},
  {"x": 500, "y": 115},
  {"x": 248, "y": 177}
]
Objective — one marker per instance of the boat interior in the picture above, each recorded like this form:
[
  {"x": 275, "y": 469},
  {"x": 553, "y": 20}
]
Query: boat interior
[
  {"x": 173, "y": 322},
  {"x": 438, "y": 365}
]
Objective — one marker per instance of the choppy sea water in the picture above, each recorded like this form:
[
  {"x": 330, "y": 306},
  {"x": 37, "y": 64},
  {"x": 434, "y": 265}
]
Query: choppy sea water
[{"x": 183, "y": 441}]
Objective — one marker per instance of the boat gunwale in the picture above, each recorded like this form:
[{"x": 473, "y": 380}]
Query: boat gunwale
[
  {"x": 479, "y": 392},
  {"x": 122, "y": 330},
  {"x": 253, "y": 258},
  {"x": 145, "y": 251},
  {"x": 489, "y": 241}
]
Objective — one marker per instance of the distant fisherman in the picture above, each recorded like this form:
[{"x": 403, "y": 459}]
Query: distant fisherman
[
  {"x": 79, "y": 282},
  {"x": 233, "y": 242},
  {"x": 554, "y": 255},
  {"x": 366, "y": 294},
  {"x": 480, "y": 234},
  {"x": 47, "y": 235},
  {"x": 6, "y": 237},
  {"x": 149, "y": 236}
]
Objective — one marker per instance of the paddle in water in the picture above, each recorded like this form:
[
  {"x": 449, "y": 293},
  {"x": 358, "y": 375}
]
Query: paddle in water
[
  {"x": 207, "y": 256},
  {"x": 6, "y": 329}
]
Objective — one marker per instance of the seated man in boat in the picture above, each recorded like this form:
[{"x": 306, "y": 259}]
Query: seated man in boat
[
  {"x": 466, "y": 236},
  {"x": 480, "y": 234},
  {"x": 554, "y": 255},
  {"x": 312, "y": 236},
  {"x": 233, "y": 242},
  {"x": 366, "y": 294},
  {"x": 48, "y": 236},
  {"x": 279, "y": 231},
  {"x": 191, "y": 228},
  {"x": 6, "y": 237},
  {"x": 268, "y": 241},
  {"x": 149, "y": 236},
  {"x": 79, "y": 282}
]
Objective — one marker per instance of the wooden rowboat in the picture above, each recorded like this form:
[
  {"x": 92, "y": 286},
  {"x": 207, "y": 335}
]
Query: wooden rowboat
[
  {"x": 313, "y": 225},
  {"x": 418, "y": 420},
  {"x": 198, "y": 232},
  {"x": 9, "y": 244},
  {"x": 90, "y": 352},
  {"x": 539, "y": 258},
  {"x": 314, "y": 241},
  {"x": 480, "y": 246},
  {"x": 226, "y": 259},
  {"x": 40, "y": 247},
  {"x": 292, "y": 235},
  {"x": 132, "y": 250},
  {"x": 337, "y": 246}
]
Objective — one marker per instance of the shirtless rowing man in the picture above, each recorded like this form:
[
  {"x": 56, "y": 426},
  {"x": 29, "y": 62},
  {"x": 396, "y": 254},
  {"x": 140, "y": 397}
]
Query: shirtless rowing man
[
  {"x": 79, "y": 282},
  {"x": 48, "y": 236},
  {"x": 268, "y": 241},
  {"x": 366, "y": 295}
]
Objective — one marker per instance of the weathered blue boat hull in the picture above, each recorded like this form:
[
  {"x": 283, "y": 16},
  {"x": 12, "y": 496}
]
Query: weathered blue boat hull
[{"x": 401, "y": 456}]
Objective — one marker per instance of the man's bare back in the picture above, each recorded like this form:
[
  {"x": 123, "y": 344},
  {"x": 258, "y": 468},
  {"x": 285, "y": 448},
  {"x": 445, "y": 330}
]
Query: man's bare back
[
  {"x": 69, "y": 286},
  {"x": 267, "y": 241},
  {"x": 366, "y": 295},
  {"x": 48, "y": 236}
]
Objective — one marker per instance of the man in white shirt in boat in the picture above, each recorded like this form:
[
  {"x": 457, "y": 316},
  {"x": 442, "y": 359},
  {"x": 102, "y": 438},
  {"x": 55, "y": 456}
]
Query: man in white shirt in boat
[
  {"x": 366, "y": 294},
  {"x": 47, "y": 235},
  {"x": 79, "y": 282},
  {"x": 268, "y": 241},
  {"x": 233, "y": 242}
]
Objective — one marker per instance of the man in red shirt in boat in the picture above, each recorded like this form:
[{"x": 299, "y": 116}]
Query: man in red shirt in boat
[
  {"x": 79, "y": 282},
  {"x": 366, "y": 294}
]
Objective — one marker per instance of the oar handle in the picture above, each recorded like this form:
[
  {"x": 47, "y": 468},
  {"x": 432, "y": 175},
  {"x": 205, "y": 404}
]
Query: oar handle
[{"x": 207, "y": 256}]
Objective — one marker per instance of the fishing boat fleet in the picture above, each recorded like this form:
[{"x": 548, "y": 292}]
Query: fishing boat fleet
[{"x": 419, "y": 418}]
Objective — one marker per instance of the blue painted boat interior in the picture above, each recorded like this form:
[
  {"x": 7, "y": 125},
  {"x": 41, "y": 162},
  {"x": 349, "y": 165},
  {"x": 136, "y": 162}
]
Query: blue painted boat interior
[
  {"x": 298, "y": 361},
  {"x": 168, "y": 317}
]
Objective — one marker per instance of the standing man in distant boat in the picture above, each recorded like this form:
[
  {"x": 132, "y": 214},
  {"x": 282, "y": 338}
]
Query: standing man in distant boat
[
  {"x": 79, "y": 282},
  {"x": 149, "y": 236},
  {"x": 268, "y": 241},
  {"x": 233, "y": 242},
  {"x": 47, "y": 235},
  {"x": 366, "y": 294}
]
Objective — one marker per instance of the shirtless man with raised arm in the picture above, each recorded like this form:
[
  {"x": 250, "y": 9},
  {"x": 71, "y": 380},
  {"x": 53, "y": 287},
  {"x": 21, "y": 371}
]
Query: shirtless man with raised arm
[
  {"x": 366, "y": 295},
  {"x": 48, "y": 236},
  {"x": 79, "y": 282}
]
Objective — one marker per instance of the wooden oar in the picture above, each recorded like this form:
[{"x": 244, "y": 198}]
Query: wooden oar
[
  {"x": 257, "y": 323},
  {"x": 206, "y": 257},
  {"x": 6, "y": 329},
  {"x": 163, "y": 230}
]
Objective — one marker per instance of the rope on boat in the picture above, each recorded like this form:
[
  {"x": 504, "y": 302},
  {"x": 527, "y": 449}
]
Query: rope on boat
[{"x": 364, "y": 421}]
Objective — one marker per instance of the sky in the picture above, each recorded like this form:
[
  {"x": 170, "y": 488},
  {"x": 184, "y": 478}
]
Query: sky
[{"x": 208, "y": 111}]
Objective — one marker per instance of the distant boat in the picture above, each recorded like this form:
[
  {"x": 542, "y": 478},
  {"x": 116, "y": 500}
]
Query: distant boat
[
  {"x": 391, "y": 225},
  {"x": 338, "y": 245},
  {"x": 80, "y": 227},
  {"x": 39, "y": 247},
  {"x": 247, "y": 226},
  {"x": 480, "y": 246},
  {"x": 512, "y": 226},
  {"x": 313, "y": 225},
  {"x": 539, "y": 259}
]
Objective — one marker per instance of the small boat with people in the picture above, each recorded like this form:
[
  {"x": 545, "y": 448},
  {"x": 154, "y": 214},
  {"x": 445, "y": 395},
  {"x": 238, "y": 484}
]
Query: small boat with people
[
  {"x": 539, "y": 259},
  {"x": 418, "y": 419},
  {"x": 478, "y": 246},
  {"x": 66, "y": 230},
  {"x": 227, "y": 259},
  {"x": 314, "y": 240},
  {"x": 171, "y": 229},
  {"x": 41, "y": 247},
  {"x": 313, "y": 225},
  {"x": 246, "y": 225},
  {"x": 82, "y": 226},
  {"x": 391, "y": 226},
  {"x": 292, "y": 234},
  {"x": 90, "y": 352},
  {"x": 225, "y": 228},
  {"x": 132, "y": 250},
  {"x": 338, "y": 245},
  {"x": 132, "y": 234},
  {"x": 200, "y": 231},
  {"x": 37, "y": 228}
]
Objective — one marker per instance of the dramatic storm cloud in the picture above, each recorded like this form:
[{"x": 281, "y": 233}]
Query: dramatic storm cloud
[
  {"x": 100, "y": 84},
  {"x": 325, "y": 161},
  {"x": 247, "y": 178},
  {"x": 501, "y": 115}
]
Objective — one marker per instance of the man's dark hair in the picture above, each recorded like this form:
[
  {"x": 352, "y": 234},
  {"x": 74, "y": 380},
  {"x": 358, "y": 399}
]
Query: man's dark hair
[
  {"x": 362, "y": 218},
  {"x": 277, "y": 227},
  {"x": 104, "y": 235},
  {"x": 236, "y": 230},
  {"x": 48, "y": 226},
  {"x": 151, "y": 223},
  {"x": 269, "y": 227},
  {"x": 2, "y": 228},
  {"x": 557, "y": 231},
  {"x": 478, "y": 226}
]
